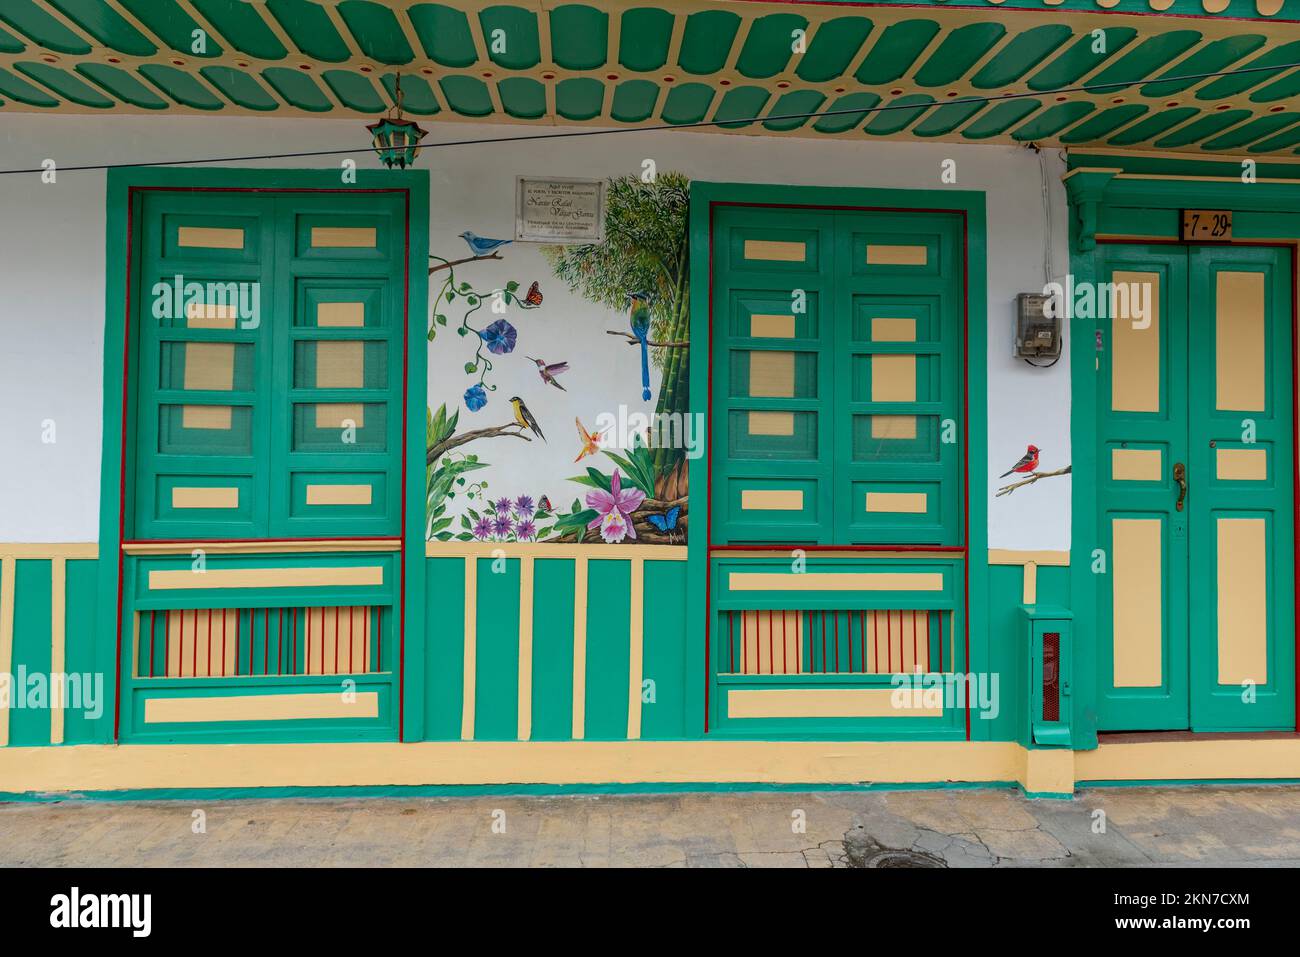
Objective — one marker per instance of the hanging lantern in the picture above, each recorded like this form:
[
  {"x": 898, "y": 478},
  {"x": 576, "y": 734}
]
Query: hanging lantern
[{"x": 395, "y": 139}]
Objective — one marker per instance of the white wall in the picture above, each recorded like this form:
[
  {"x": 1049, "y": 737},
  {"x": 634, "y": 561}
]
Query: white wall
[{"x": 52, "y": 284}]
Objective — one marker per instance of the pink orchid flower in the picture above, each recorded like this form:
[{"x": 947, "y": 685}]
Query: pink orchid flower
[{"x": 614, "y": 509}]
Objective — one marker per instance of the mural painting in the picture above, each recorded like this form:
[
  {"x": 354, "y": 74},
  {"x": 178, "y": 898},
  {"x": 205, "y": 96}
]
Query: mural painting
[{"x": 628, "y": 446}]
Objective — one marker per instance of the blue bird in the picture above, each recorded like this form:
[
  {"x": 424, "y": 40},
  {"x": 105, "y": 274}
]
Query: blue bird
[
  {"x": 639, "y": 303},
  {"x": 481, "y": 245}
]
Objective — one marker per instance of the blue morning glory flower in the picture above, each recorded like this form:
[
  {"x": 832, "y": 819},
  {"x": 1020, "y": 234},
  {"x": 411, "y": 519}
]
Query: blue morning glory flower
[
  {"x": 500, "y": 337},
  {"x": 475, "y": 397}
]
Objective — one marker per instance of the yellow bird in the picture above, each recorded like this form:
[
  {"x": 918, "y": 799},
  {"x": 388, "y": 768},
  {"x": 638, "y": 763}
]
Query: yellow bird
[{"x": 524, "y": 417}]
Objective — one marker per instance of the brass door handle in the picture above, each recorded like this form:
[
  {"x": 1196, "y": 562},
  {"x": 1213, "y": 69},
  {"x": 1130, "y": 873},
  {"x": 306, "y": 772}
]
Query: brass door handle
[{"x": 1180, "y": 476}]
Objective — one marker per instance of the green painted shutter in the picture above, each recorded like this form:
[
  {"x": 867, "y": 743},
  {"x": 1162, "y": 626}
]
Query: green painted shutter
[
  {"x": 837, "y": 365},
  {"x": 286, "y": 422}
]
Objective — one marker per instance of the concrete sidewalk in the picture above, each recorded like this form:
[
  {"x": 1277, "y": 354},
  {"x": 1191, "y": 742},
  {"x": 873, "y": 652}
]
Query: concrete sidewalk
[{"x": 936, "y": 828}]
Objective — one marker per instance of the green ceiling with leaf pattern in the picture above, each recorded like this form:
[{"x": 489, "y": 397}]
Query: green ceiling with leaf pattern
[{"x": 749, "y": 67}]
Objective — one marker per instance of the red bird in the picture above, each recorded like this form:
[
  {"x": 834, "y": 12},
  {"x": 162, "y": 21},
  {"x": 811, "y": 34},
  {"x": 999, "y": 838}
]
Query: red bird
[{"x": 1028, "y": 462}]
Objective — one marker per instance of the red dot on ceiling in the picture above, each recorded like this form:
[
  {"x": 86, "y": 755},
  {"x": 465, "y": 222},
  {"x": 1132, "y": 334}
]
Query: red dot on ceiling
[
  {"x": 897, "y": 91},
  {"x": 724, "y": 83},
  {"x": 1118, "y": 99},
  {"x": 367, "y": 69},
  {"x": 669, "y": 79},
  {"x": 1277, "y": 109},
  {"x": 1171, "y": 103},
  {"x": 304, "y": 66},
  {"x": 611, "y": 76},
  {"x": 548, "y": 76}
]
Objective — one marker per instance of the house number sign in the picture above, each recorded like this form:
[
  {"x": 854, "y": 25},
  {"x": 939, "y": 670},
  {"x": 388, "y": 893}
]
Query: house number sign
[{"x": 1202, "y": 225}]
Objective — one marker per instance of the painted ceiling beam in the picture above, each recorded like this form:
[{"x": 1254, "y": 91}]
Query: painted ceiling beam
[{"x": 1112, "y": 73}]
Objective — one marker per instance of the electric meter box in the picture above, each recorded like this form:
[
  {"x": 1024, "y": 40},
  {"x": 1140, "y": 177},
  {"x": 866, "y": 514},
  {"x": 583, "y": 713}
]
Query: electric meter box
[{"x": 1038, "y": 333}]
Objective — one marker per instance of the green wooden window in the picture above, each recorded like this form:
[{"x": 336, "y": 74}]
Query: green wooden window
[
  {"x": 267, "y": 367},
  {"x": 837, "y": 371}
]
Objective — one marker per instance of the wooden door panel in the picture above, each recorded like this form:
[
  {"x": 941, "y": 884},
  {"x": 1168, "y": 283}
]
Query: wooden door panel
[
  {"x": 1142, "y": 430},
  {"x": 1241, "y": 496}
]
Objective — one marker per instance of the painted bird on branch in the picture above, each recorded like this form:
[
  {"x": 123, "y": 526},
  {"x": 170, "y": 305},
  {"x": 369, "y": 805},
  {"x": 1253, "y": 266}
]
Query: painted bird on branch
[
  {"x": 481, "y": 245},
  {"x": 549, "y": 372},
  {"x": 1028, "y": 462},
  {"x": 639, "y": 306},
  {"x": 525, "y": 418}
]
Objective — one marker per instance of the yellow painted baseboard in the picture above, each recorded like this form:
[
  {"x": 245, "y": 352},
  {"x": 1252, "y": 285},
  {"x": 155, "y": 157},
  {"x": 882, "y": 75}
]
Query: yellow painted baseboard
[
  {"x": 1237, "y": 758},
  {"x": 1055, "y": 772},
  {"x": 130, "y": 767}
]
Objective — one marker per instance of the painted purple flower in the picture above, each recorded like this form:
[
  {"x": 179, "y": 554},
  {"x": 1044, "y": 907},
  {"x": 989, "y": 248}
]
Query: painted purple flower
[
  {"x": 526, "y": 530},
  {"x": 483, "y": 528},
  {"x": 500, "y": 337},
  {"x": 475, "y": 397},
  {"x": 502, "y": 525},
  {"x": 524, "y": 506},
  {"x": 502, "y": 507},
  {"x": 614, "y": 509}
]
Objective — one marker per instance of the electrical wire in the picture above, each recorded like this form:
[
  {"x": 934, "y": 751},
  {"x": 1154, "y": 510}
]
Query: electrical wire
[{"x": 699, "y": 124}]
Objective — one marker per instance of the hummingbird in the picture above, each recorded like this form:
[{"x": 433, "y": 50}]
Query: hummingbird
[
  {"x": 639, "y": 303},
  {"x": 1028, "y": 462},
  {"x": 590, "y": 443},
  {"x": 481, "y": 245},
  {"x": 549, "y": 372},
  {"x": 525, "y": 418}
]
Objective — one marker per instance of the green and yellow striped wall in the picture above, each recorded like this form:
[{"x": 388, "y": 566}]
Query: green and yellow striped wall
[
  {"x": 675, "y": 62},
  {"x": 554, "y": 642},
  {"x": 47, "y": 625},
  {"x": 542, "y": 642},
  {"x": 535, "y": 642}
]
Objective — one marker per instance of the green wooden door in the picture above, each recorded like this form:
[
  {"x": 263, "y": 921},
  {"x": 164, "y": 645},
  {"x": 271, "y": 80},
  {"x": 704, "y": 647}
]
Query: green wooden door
[{"x": 1195, "y": 489}]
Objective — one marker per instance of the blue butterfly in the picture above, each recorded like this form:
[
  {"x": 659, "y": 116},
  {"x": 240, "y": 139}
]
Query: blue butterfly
[{"x": 666, "y": 521}]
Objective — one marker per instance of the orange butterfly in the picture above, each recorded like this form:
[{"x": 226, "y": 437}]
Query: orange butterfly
[
  {"x": 590, "y": 443},
  {"x": 534, "y": 297}
]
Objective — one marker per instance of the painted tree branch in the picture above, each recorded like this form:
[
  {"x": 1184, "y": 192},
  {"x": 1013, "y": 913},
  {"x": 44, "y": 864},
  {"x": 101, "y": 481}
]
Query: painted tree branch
[
  {"x": 1034, "y": 477},
  {"x": 632, "y": 340},
  {"x": 457, "y": 262},
  {"x": 437, "y": 451}
]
